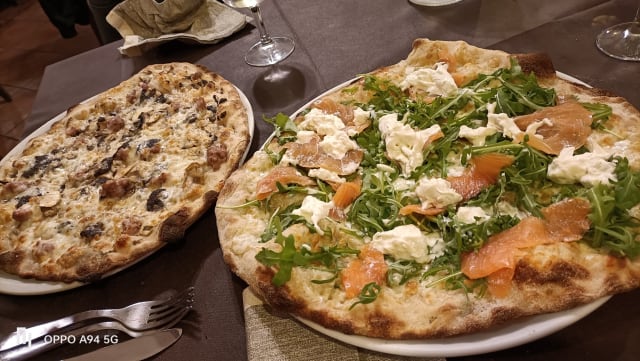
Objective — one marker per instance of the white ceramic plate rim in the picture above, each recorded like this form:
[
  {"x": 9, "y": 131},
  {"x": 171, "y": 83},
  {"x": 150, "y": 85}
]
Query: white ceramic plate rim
[
  {"x": 510, "y": 334},
  {"x": 14, "y": 285}
]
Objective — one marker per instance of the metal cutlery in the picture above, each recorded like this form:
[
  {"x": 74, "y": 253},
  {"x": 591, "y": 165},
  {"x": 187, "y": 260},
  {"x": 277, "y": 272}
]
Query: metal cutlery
[
  {"x": 133, "y": 350},
  {"x": 36, "y": 348},
  {"x": 137, "y": 317}
]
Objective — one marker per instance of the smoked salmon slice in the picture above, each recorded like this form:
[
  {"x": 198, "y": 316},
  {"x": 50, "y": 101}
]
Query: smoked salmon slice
[
  {"x": 499, "y": 250},
  {"x": 499, "y": 282},
  {"x": 346, "y": 193},
  {"x": 497, "y": 258},
  {"x": 368, "y": 267},
  {"x": 417, "y": 208},
  {"x": 568, "y": 219},
  {"x": 564, "y": 221},
  {"x": 345, "y": 112},
  {"x": 283, "y": 175},
  {"x": 483, "y": 172},
  {"x": 309, "y": 155},
  {"x": 330, "y": 106},
  {"x": 570, "y": 127}
]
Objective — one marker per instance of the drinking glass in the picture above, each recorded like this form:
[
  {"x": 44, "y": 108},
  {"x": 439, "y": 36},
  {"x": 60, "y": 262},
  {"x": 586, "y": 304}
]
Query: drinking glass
[
  {"x": 269, "y": 50},
  {"x": 622, "y": 41}
]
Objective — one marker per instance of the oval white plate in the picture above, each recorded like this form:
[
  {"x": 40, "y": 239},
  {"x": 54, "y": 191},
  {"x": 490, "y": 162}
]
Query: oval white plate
[{"x": 13, "y": 285}]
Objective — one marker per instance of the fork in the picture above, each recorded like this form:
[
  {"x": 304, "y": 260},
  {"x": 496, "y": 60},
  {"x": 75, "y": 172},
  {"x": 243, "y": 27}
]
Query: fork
[
  {"x": 138, "y": 316},
  {"x": 41, "y": 346}
]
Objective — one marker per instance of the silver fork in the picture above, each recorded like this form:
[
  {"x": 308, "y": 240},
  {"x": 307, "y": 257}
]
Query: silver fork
[
  {"x": 36, "y": 348},
  {"x": 138, "y": 316}
]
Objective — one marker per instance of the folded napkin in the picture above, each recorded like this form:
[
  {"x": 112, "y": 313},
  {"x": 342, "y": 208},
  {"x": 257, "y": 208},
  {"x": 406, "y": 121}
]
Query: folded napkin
[
  {"x": 144, "y": 24},
  {"x": 272, "y": 337}
]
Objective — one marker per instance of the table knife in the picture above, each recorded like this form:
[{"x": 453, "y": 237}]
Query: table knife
[{"x": 135, "y": 349}]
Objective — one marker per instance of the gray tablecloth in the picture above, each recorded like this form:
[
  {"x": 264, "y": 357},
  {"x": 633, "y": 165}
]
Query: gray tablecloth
[{"x": 336, "y": 40}]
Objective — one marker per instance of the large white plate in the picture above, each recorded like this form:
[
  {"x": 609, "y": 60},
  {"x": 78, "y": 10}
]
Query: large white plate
[
  {"x": 507, "y": 335},
  {"x": 13, "y": 285}
]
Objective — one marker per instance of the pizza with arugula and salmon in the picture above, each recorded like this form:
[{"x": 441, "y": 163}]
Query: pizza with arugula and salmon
[{"x": 443, "y": 195}]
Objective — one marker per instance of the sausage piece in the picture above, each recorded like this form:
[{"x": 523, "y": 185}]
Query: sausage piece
[{"x": 216, "y": 155}]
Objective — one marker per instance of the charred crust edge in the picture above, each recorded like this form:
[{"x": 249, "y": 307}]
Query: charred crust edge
[
  {"x": 173, "y": 228},
  {"x": 538, "y": 63}
]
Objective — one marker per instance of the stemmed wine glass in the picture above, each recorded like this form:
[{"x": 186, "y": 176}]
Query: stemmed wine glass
[
  {"x": 622, "y": 41},
  {"x": 269, "y": 50}
]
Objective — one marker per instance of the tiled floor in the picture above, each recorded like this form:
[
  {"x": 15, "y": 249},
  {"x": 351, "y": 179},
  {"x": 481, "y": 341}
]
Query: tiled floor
[{"x": 28, "y": 43}]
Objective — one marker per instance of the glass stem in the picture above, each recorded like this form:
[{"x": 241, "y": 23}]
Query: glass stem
[{"x": 257, "y": 16}]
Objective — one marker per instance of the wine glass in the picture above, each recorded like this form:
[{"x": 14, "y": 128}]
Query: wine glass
[
  {"x": 269, "y": 50},
  {"x": 622, "y": 41}
]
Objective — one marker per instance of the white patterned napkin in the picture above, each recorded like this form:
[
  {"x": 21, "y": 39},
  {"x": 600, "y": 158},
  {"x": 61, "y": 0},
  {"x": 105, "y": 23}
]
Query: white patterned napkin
[
  {"x": 144, "y": 24},
  {"x": 275, "y": 338}
]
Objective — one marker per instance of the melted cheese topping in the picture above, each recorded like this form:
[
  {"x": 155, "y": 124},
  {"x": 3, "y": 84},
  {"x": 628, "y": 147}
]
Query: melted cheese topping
[
  {"x": 436, "y": 193},
  {"x": 314, "y": 210},
  {"x": 434, "y": 81},
  {"x": 588, "y": 168},
  {"x": 409, "y": 243},
  {"x": 403, "y": 143}
]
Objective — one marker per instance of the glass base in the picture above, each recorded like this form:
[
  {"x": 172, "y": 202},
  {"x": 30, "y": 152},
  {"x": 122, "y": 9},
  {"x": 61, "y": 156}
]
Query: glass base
[
  {"x": 621, "y": 41},
  {"x": 271, "y": 52},
  {"x": 434, "y": 2}
]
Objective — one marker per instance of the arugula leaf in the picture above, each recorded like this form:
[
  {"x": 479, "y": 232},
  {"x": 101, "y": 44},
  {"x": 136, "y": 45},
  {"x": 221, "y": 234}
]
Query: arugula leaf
[
  {"x": 386, "y": 95},
  {"x": 627, "y": 188},
  {"x": 290, "y": 257},
  {"x": 283, "y": 260},
  {"x": 524, "y": 96},
  {"x": 368, "y": 294},
  {"x": 279, "y": 220},
  {"x": 285, "y": 129},
  {"x": 613, "y": 228},
  {"x": 327, "y": 257},
  {"x": 446, "y": 269},
  {"x": 371, "y": 142},
  {"x": 518, "y": 94},
  {"x": 529, "y": 170},
  {"x": 600, "y": 113},
  {"x": 399, "y": 272},
  {"x": 376, "y": 208}
]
